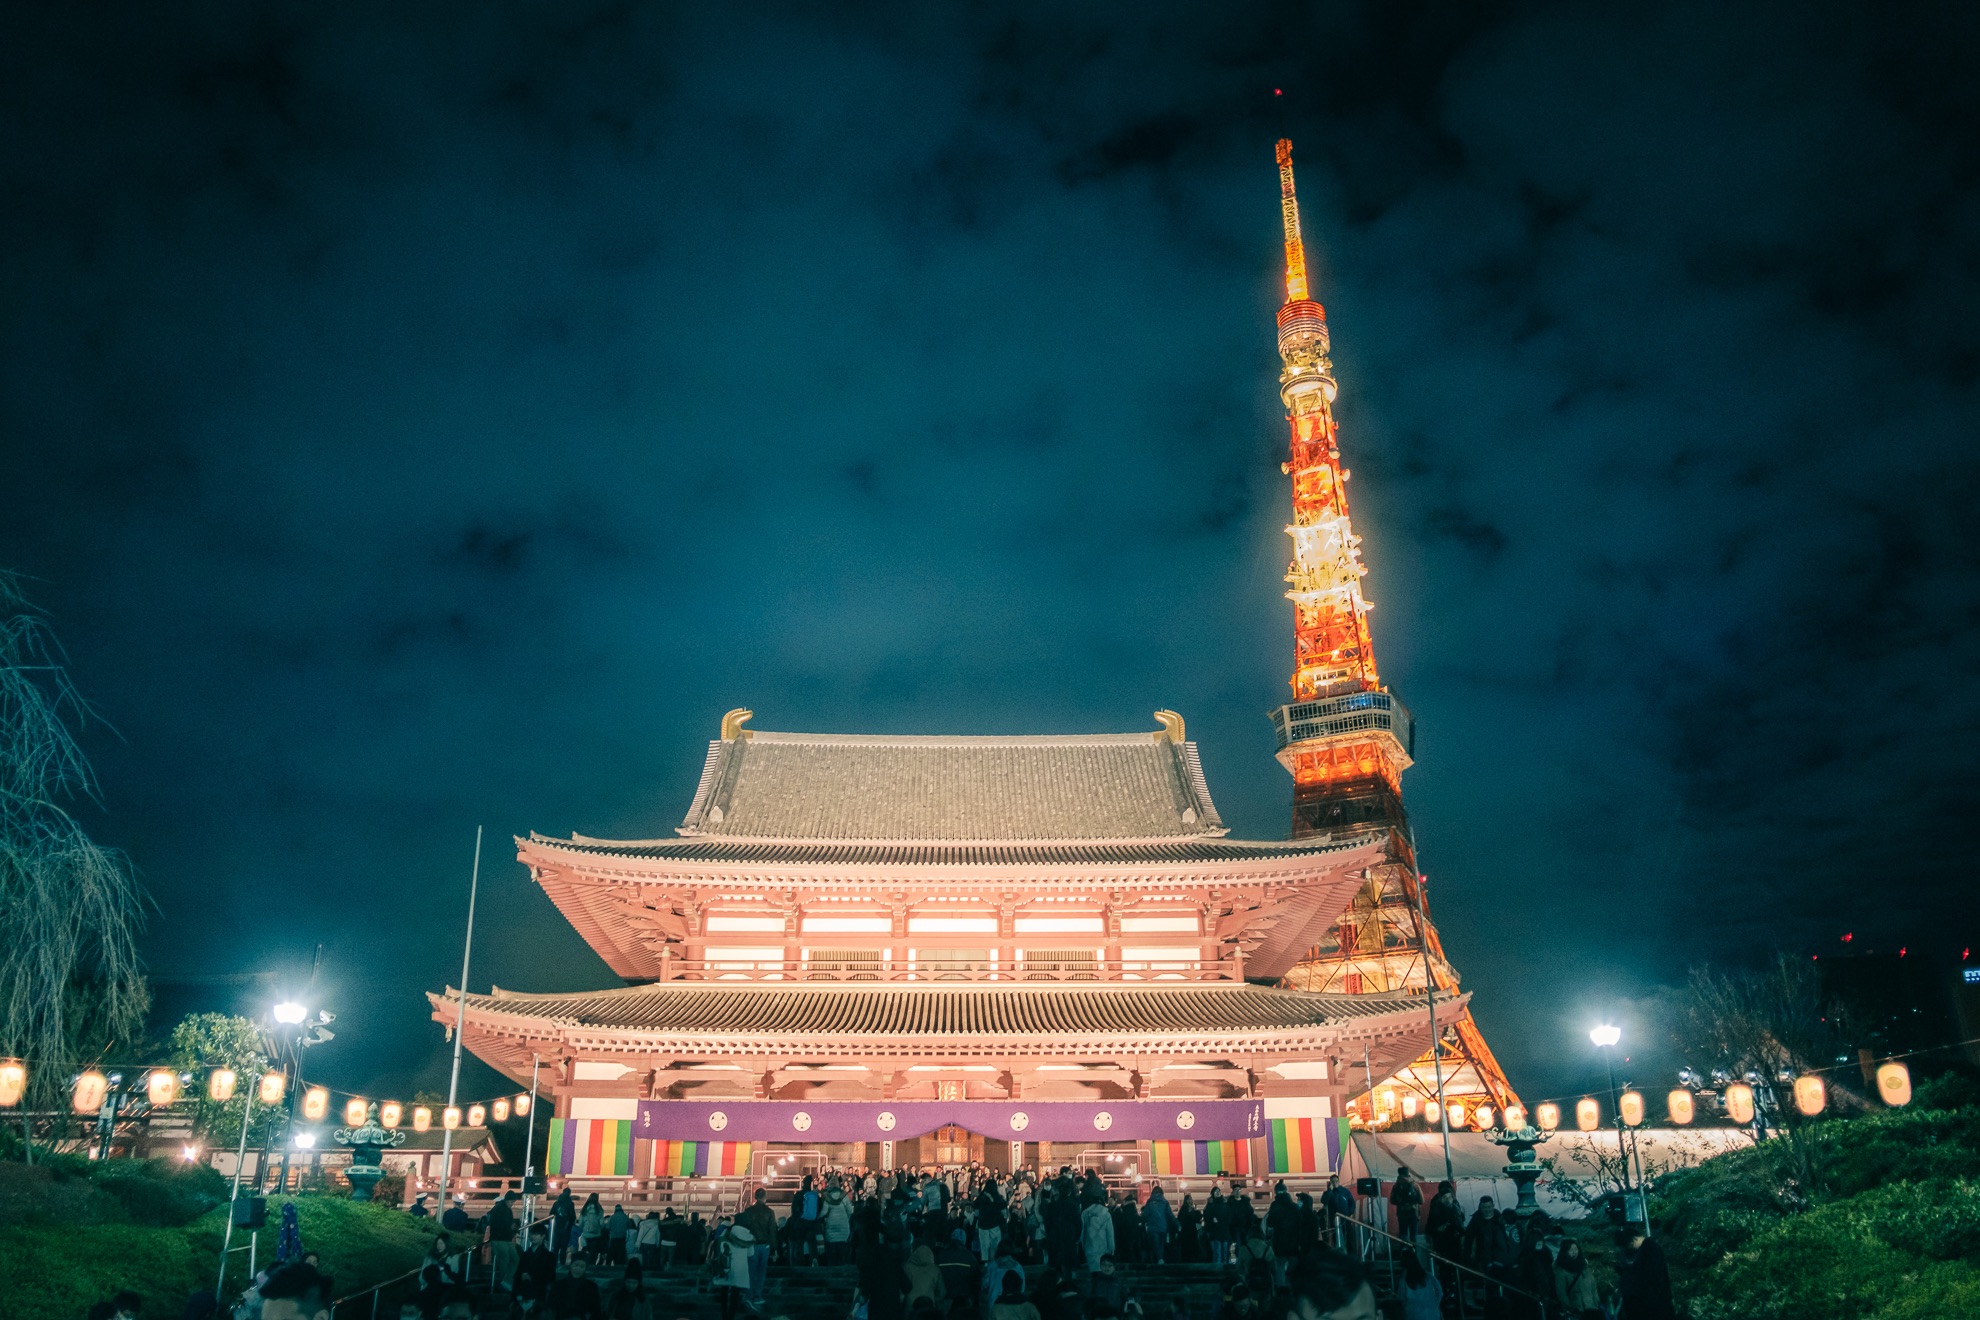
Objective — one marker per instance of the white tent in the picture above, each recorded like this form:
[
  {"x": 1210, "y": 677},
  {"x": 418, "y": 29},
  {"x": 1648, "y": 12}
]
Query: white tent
[{"x": 1478, "y": 1165}]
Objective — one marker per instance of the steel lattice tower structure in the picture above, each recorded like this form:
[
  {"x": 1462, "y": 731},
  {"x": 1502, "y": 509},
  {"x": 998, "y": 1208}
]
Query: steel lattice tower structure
[{"x": 1344, "y": 737}]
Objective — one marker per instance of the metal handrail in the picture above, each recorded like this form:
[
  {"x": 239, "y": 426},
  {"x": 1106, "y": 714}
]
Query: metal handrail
[
  {"x": 376, "y": 1289},
  {"x": 1362, "y": 1225}
]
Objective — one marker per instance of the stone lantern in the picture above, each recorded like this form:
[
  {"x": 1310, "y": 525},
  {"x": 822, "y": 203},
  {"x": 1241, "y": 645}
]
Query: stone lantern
[{"x": 368, "y": 1143}]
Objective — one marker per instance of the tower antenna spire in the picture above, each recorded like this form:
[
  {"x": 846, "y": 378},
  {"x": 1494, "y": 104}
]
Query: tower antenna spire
[
  {"x": 1345, "y": 738},
  {"x": 1289, "y": 217}
]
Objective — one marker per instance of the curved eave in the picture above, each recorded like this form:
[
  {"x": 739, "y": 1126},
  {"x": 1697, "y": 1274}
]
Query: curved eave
[
  {"x": 730, "y": 855},
  {"x": 1308, "y": 886},
  {"x": 1391, "y": 1039}
]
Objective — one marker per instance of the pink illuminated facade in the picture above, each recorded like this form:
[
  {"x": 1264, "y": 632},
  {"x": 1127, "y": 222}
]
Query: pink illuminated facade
[{"x": 922, "y": 950}]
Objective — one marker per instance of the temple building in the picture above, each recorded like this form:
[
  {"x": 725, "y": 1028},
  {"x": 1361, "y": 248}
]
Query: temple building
[{"x": 898, "y": 951}]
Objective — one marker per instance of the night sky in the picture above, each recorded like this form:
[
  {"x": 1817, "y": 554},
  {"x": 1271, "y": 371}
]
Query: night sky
[{"x": 422, "y": 417}]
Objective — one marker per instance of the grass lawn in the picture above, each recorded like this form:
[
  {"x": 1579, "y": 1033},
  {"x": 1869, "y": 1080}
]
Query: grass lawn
[{"x": 76, "y": 1235}]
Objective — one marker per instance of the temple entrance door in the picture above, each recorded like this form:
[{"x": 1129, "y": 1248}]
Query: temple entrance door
[{"x": 951, "y": 1146}]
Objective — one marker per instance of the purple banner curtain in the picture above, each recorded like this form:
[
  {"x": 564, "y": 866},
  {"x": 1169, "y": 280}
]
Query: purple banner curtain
[{"x": 1006, "y": 1120}]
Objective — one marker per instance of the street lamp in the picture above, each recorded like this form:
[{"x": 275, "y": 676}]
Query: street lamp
[
  {"x": 296, "y": 1031},
  {"x": 1606, "y": 1038}
]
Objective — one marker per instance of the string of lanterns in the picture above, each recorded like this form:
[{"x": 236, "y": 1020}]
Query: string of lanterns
[
  {"x": 1738, "y": 1100},
  {"x": 164, "y": 1086},
  {"x": 167, "y": 1086}
]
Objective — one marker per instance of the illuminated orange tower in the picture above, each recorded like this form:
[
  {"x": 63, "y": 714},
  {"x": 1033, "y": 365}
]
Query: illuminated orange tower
[{"x": 1344, "y": 737}]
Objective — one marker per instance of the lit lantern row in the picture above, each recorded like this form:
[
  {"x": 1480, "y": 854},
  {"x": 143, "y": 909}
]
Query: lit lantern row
[{"x": 163, "y": 1087}]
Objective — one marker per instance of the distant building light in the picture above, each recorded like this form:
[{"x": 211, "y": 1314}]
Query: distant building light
[{"x": 1971, "y": 975}]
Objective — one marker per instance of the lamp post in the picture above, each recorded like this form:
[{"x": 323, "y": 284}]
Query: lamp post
[
  {"x": 293, "y": 1033},
  {"x": 1606, "y": 1038}
]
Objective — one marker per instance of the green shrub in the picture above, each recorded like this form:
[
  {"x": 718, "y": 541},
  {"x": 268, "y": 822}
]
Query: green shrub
[
  {"x": 49, "y": 1272},
  {"x": 1871, "y": 1255},
  {"x": 1855, "y": 1155},
  {"x": 162, "y": 1193}
]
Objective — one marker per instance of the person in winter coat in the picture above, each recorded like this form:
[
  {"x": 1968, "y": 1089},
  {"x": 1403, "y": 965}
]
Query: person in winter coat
[
  {"x": 882, "y": 1284},
  {"x": 1010, "y": 1303},
  {"x": 1445, "y": 1223},
  {"x": 629, "y": 1299},
  {"x": 1253, "y": 1249},
  {"x": 648, "y": 1237},
  {"x": 591, "y": 1229},
  {"x": 806, "y": 1223},
  {"x": 537, "y": 1270},
  {"x": 1337, "y": 1209},
  {"x": 739, "y": 1248},
  {"x": 1096, "y": 1234},
  {"x": 563, "y": 1224},
  {"x": 1489, "y": 1245},
  {"x": 1127, "y": 1229},
  {"x": 994, "y": 1274},
  {"x": 1282, "y": 1227},
  {"x": 1406, "y": 1200},
  {"x": 838, "y": 1225},
  {"x": 1646, "y": 1278},
  {"x": 990, "y": 1212},
  {"x": 500, "y": 1224},
  {"x": 1158, "y": 1221},
  {"x": 924, "y": 1278},
  {"x": 1062, "y": 1228},
  {"x": 1536, "y": 1271},
  {"x": 762, "y": 1223},
  {"x": 1575, "y": 1294},
  {"x": 1189, "y": 1231},
  {"x": 618, "y": 1226},
  {"x": 1217, "y": 1225},
  {"x": 961, "y": 1273},
  {"x": 1421, "y": 1295},
  {"x": 1106, "y": 1291},
  {"x": 577, "y": 1297}
]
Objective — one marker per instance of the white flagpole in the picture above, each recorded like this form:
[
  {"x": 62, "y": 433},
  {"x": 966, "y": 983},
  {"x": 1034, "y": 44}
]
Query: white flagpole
[
  {"x": 529, "y": 1149},
  {"x": 460, "y": 1021}
]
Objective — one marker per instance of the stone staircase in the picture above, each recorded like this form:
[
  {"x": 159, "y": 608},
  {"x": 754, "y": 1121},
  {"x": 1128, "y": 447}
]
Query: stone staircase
[{"x": 826, "y": 1292}]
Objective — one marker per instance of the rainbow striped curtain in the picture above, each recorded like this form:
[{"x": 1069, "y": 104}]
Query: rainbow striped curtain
[
  {"x": 679, "y": 1159},
  {"x": 1201, "y": 1157},
  {"x": 596, "y": 1146},
  {"x": 1306, "y": 1145}
]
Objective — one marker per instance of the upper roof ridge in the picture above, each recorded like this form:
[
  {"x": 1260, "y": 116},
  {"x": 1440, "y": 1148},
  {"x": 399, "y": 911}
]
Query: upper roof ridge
[
  {"x": 1136, "y": 739},
  {"x": 952, "y": 788}
]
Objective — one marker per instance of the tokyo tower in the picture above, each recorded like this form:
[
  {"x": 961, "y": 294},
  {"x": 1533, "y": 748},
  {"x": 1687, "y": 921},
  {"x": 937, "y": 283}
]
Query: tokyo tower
[{"x": 1345, "y": 738}]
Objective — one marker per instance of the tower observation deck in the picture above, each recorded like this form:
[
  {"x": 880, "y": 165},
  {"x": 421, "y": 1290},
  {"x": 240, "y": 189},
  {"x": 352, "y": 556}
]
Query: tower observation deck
[{"x": 1344, "y": 737}]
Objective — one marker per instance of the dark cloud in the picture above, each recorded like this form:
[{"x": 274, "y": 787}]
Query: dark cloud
[{"x": 424, "y": 418}]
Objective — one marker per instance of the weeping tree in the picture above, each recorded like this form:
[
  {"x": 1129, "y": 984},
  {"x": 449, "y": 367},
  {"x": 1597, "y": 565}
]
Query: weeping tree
[{"x": 71, "y": 910}]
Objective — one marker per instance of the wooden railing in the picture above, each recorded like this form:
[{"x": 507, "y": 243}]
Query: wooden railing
[
  {"x": 988, "y": 969},
  {"x": 709, "y": 1196}
]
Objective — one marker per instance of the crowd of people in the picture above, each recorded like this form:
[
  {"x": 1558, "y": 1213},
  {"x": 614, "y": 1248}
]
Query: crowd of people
[
  {"x": 961, "y": 1243},
  {"x": 973, "y": 1244}
]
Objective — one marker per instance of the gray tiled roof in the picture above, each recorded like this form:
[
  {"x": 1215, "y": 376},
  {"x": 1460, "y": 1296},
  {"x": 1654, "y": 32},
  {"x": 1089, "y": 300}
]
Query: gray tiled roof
[
  {"x": 1133, "y": 852},
  {"x": 960, "y": 1009},
  {"x": 830, "y": 787}
]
